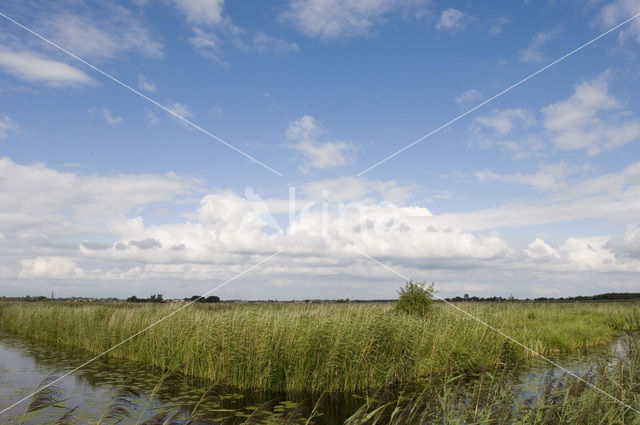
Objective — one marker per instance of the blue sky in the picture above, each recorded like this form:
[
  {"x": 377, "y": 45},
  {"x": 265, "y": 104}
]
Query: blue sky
[{"x": 103, "y": 193}]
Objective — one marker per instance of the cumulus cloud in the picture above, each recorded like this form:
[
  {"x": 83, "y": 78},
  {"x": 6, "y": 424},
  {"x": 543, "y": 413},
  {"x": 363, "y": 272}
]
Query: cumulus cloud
[
  {"x": 147, "y": 243},
  {"x": 548, "y": 178},
  {"x": 618, "y": 11},
  {"x": 510, "y": 130},
  {"x": 106, "y": 115},
  {"x": 503, "y": 121},
  {"x": 36, "y": 198},
  {"x": 266, "y": 43},
  {"x": 29, "y": 66},
  {"x": 591, "y": 119},
  {"x": 626, "y": 245},
  {"x": 101, "y": 34},
  {"x": 612, "y": 196},
  {"x": 533, "y": 53},
  {"x": 49, "y": 267},
  {"x": 181, "y": 109},
  {"x": 204, "y": 12},
  {"x": 540, "y": 251},
  {"x": 213, "y": 32},
  {"x": 91, "y": 229},
  {"x": 7, "y": 125},
  {"x": 345, "y": 189},
  {"x": 497, "y": 24},
  {"x": 330, "y": 19},
  {"x": 452, "y": 20},
  {"x": 207, "y": 44},
  {"x": 226, "y": 231},
  {"x": 467, "y": 98},
  {"x": 305, "y": 133},
  {"x": 146, "y": 84},
  {"x": 587, "y": 254}
]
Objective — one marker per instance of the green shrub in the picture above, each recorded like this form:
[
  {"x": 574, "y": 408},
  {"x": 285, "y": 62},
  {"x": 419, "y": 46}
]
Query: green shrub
[{"x": 416, "y": 298}]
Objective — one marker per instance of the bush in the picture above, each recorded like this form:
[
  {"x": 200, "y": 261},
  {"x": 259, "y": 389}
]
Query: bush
[{"x": 416, "y": 298}]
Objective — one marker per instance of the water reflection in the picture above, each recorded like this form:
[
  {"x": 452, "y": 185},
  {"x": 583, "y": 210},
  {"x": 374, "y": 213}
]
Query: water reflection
[{"x": 107, "y": 384}]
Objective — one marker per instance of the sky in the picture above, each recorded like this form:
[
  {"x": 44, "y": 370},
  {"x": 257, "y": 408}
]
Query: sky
[{"x": 171, "y": 146}]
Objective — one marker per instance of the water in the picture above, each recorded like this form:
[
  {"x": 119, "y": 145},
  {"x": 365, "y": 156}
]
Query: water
[
  {"x": 94, "y": 389},
  {"x": 580, "y": 364}
]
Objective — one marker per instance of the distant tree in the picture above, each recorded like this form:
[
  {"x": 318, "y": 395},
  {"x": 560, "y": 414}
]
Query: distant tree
[
  {"x": 201, "y": 299},
  {"x": 156, "y": 298},
  {"x": 416, "y": 298}
]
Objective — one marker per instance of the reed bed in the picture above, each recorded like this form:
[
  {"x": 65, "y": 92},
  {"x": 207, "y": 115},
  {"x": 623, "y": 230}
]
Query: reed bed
[
  {"x": 318, "y": 347},
  {"x": 500, "y": 399}
]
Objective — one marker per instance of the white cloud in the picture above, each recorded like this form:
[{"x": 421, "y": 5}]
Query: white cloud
[
  {"x": 105, "y": 114},
  {"x": 41, "y": 198},
  {"x": 89, "y": 230},
  {"x": 467, "y": 98},
  {"x": 618, "y": 11},
  {"x": 613, "y": 197},
  {"x": 49, "y": 267},
  {"x": 146, "y": 84},
  {"x": 265, "y": 43},
  {"x": 203, "y": 12},
  {"x": 626, "y": 245},
  {"x": 503, "y": 121},
  {"x": 181, "y": 109},
  {"x": 452, "y": 20},
  {"x": 330, "y": 19},
  {"x": 548, "y": 178},
  {"x": 101, "y": 36},
  {"x": 305, "y": 133},
  {"x": 7, "y": 125},
  {"x": 590, "y": 254},
  {"x": 209, "y": 42},
  {"x": 31, "y": 67},
  {"x": 152, "y": 118},
  {"x": 355, "y": 189},
  {"x": 539, "y": 250},
  {"x": 533, "y": 53},
  {"x": 206, "y": 44},
  {"x": 591, "y": 119},
  {"x": 497, "y": 24},
  {"x": 226, "y": 231}
]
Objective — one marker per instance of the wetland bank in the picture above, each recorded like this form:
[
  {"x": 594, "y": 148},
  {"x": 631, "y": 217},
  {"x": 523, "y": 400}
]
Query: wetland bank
[{"x": 377, "y": 359}]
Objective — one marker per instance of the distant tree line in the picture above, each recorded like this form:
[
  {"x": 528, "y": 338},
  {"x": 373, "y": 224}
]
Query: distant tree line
[
  {"x": 25, "y": 298},
  {"x": 610, "y": 296},
  {"x": 200, "y": 299},
  {"x": 60, "y": 299},
  {"x": 155, "y": 298},
  {"x": 158, "y": 298}
]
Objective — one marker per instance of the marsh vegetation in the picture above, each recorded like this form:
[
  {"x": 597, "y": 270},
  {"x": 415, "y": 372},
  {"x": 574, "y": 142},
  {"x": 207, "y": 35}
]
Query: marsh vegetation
[
  {"x": 425, "y": 362},
  {"x": 319, "y": 347}
]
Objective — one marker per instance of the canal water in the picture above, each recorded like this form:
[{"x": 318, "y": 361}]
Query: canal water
[
  {"x": 105, "y": 385},
  {"x": 112, "y": 390}
]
